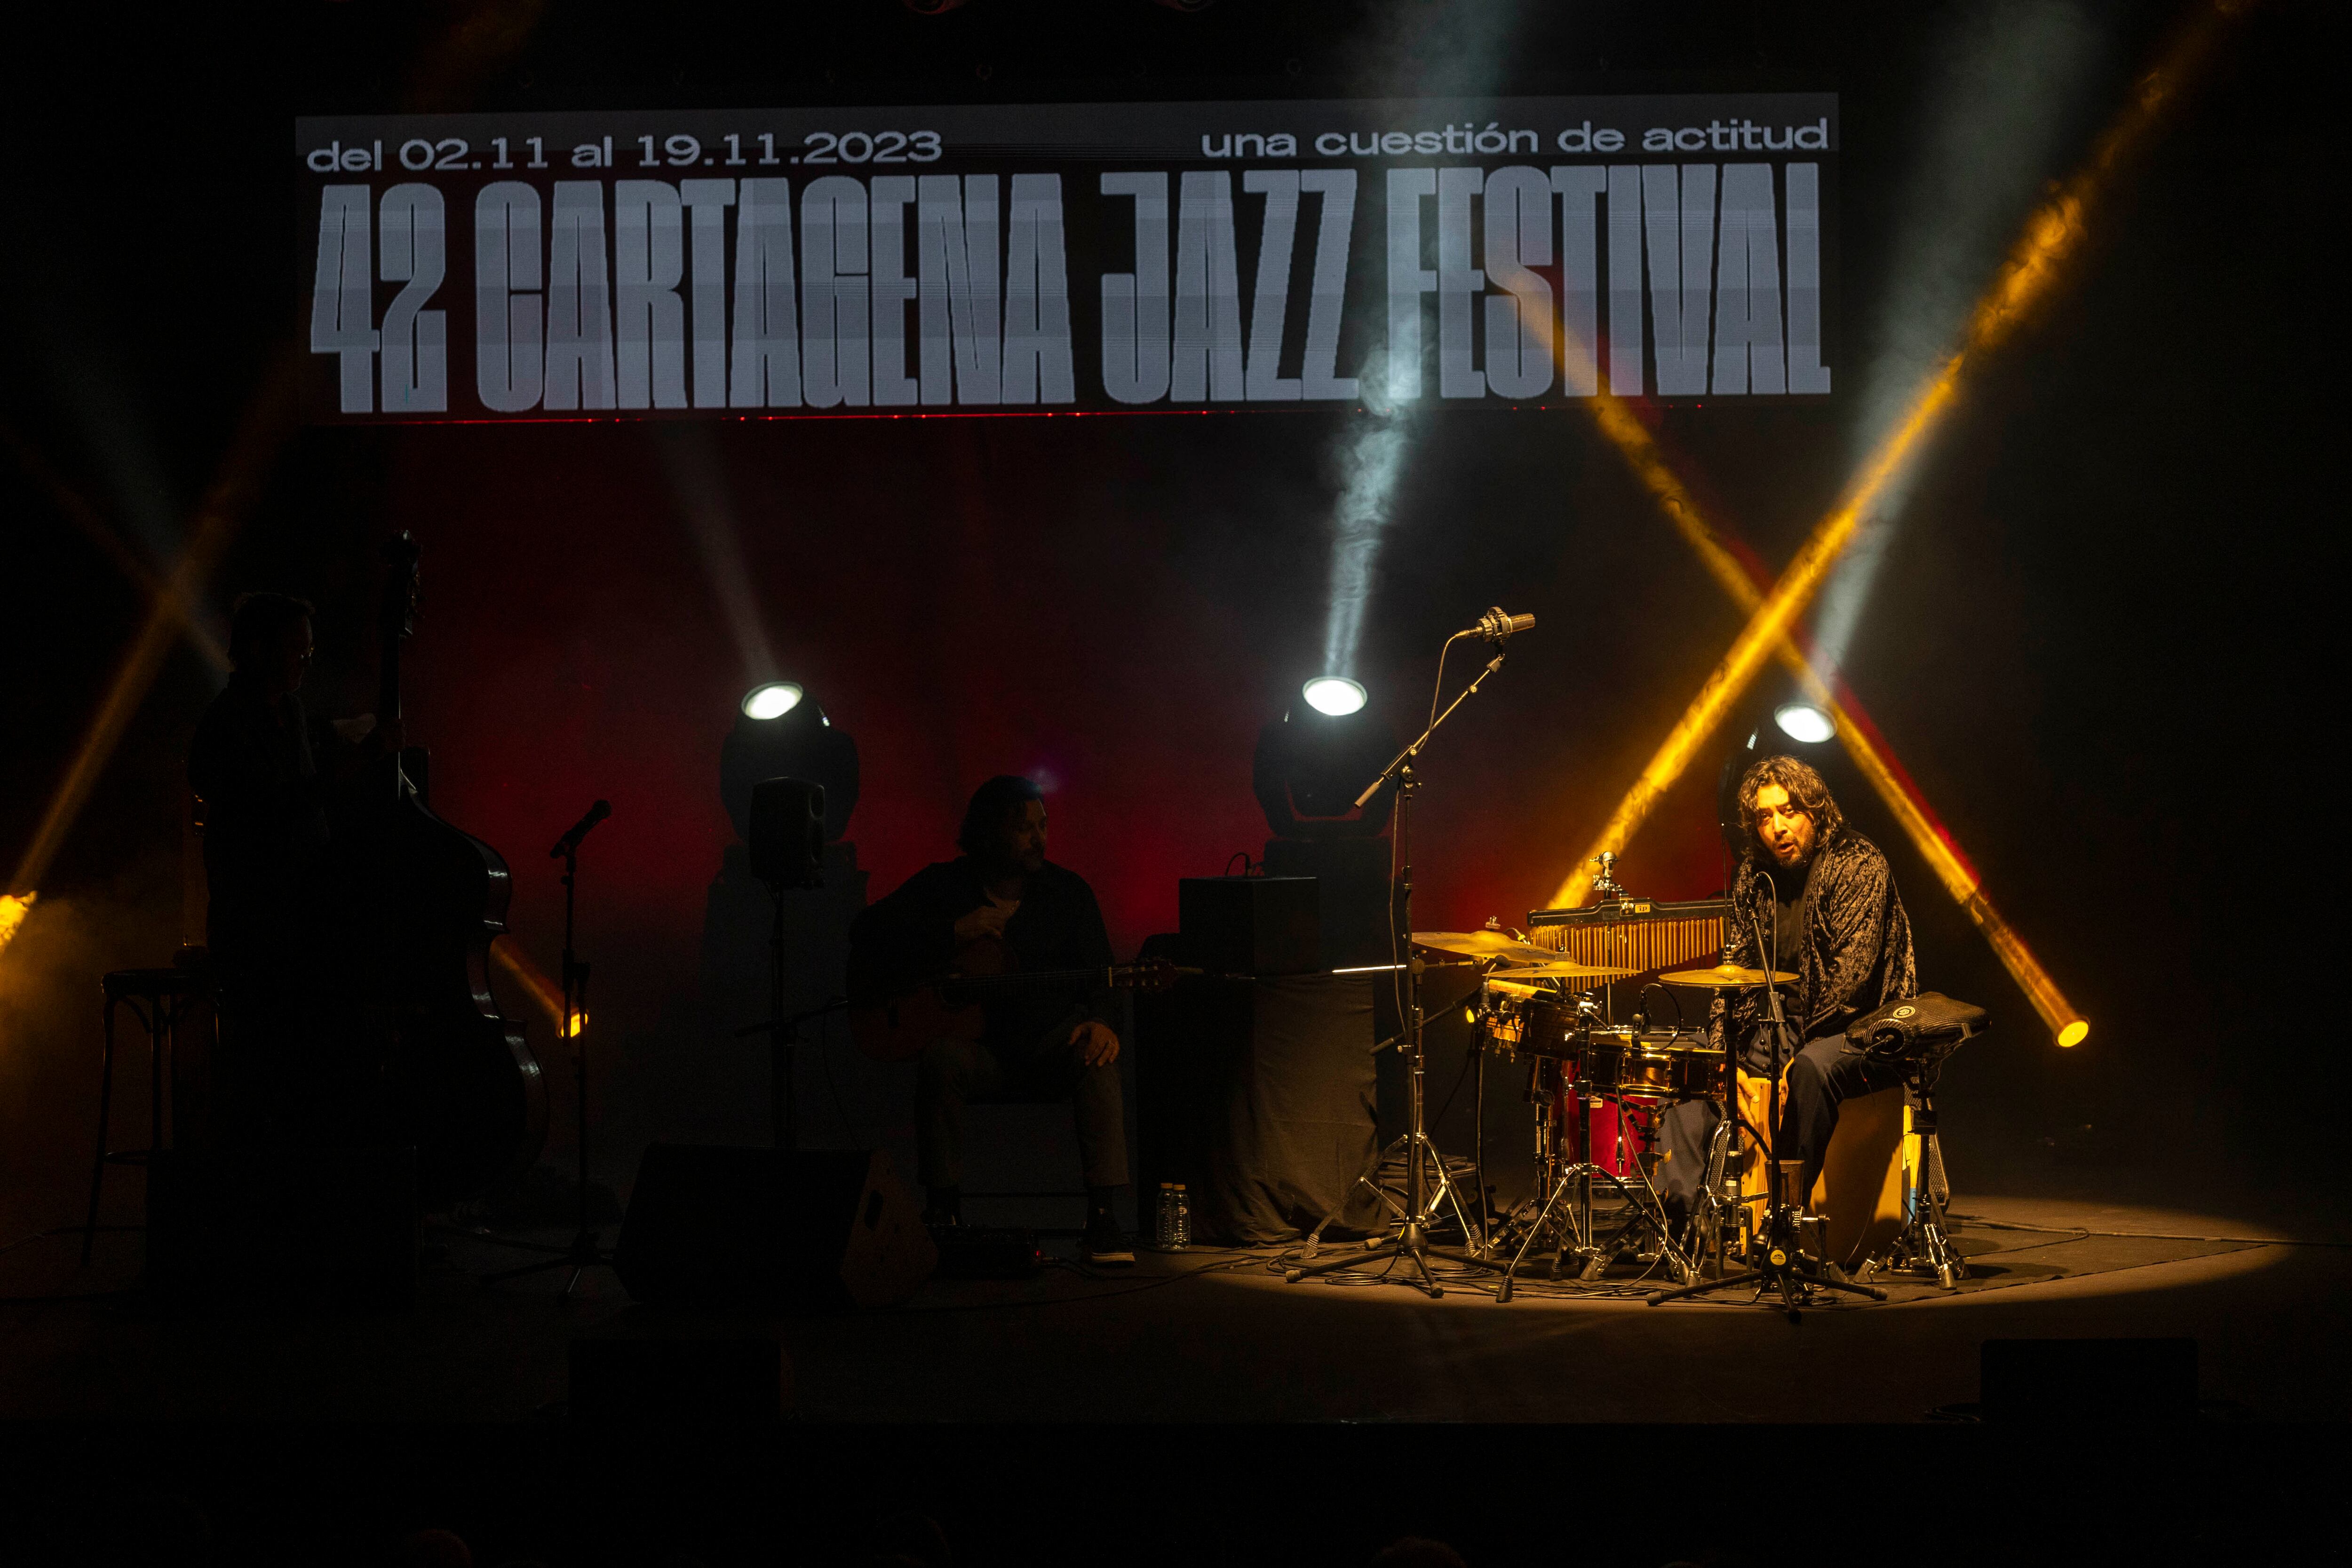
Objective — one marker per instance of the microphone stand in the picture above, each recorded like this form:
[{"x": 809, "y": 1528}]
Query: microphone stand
[
  {"x": 1422, "y": 1201},
  {"x": 1775, "y": 1259},
  {"x": 586, "y": 1250}
]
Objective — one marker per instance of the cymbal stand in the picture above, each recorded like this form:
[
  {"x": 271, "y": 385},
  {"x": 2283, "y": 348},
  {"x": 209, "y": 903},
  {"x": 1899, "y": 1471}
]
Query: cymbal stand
[
  {"x": 1422, "y": 1201},
  {"x": 1776, "y": 1260}
]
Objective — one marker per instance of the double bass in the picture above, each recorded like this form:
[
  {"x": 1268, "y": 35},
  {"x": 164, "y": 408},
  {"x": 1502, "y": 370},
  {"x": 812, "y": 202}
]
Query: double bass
[{"x": 463, "y": 1086}]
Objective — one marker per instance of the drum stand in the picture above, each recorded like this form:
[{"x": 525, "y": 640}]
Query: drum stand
[
  {"x": 1572, "y": 1194},
  {"x": 1646, "y": 1212},
  {"x": 1420, "y": 1200}
]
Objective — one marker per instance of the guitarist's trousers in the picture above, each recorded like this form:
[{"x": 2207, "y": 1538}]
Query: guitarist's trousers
[{"x": 953, "y": 1074}]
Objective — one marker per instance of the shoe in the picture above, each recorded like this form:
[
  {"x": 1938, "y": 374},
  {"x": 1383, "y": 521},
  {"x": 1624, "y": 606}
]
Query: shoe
[{"x": 1105, "y": 1245}]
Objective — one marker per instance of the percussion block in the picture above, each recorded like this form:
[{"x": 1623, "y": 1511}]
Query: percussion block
[{"x": 1860, "y": 1189}]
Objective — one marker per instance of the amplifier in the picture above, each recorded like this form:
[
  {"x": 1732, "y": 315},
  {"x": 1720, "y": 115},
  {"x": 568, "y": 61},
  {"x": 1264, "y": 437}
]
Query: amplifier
[{"x": 1250, "y": 925}]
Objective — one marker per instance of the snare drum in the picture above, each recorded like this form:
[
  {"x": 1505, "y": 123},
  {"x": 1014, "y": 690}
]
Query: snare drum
[{"x": 1658, "y": 1064}]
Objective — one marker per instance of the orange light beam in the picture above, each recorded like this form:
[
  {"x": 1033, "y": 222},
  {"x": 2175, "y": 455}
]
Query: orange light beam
[
  {"x": 2052, "y": 237},
  {"x": 1743, "y": 579},
  {"x": 508, "y": 956}
]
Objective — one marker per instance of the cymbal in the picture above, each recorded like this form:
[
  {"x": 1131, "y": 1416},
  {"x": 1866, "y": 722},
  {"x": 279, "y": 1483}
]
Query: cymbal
[
  {"x": 1520, "y": 960},
  {"x": 1481, "y": 944},
  {"x": 1557, "y": 968},
  {"x": 1726, "y": 974}
]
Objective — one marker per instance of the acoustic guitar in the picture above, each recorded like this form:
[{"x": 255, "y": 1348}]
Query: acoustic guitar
[{"x": 954, "y": 1006}]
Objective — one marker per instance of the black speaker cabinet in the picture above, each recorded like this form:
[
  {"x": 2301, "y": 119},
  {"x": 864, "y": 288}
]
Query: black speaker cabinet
[
  {"x": 766, "y": 1229},
  {"x": 1250, "y": 925},
  {"x": 787, "y": 840}
]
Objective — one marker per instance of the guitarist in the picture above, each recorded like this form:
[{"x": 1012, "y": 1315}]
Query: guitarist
[{"x": 1003, "y": 906}]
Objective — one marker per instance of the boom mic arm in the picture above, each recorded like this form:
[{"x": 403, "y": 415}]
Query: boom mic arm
[{"x": 570, "y": 842}]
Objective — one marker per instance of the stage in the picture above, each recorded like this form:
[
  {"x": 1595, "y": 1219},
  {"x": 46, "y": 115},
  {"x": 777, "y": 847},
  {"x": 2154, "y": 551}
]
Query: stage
[
  {"x": 1866, "y": 464},
  {"x": 1218, "y": 1414},
  {"x": 1218, "y": 1336}
]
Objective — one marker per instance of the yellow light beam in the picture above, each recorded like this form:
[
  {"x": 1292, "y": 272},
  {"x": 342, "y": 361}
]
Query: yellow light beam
[
  {"x": 13, "y": 907},
  {"x": 2051, "y": 237},
  {"x": 1855, "y": 732}
]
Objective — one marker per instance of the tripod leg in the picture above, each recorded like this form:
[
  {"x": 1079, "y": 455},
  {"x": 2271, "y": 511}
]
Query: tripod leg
[
  {"x": 1659, "y": 1298},
  {"x": 1363, "y": 1179},
  {"x": 1428, "y": 1280},
  {"x": 1535, "y": 1233},
  {"x": 1345, "y": 1260},
  {"x": 1848, "y": 1287}
]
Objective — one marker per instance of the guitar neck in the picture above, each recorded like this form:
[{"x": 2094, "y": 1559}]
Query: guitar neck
[{"x": 1038, "y": 979}]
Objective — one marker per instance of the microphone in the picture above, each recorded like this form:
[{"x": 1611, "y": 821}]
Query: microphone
[
  {"x": 1497, "y": 625},
  {"x": 570, "y": 842}
]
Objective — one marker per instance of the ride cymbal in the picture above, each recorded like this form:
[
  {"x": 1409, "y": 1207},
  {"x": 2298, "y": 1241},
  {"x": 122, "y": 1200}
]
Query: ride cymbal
[{"x": 1725, "y": 975}]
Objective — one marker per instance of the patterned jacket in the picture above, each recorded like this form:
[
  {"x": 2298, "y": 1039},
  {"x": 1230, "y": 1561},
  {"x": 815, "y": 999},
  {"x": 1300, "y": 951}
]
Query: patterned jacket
[{"x": 1857, "y": 954}]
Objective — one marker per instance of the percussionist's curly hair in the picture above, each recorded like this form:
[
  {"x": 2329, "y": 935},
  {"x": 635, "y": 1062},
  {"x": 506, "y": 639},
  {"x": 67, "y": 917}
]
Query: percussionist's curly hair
[{"x": 1806, "y": 791}]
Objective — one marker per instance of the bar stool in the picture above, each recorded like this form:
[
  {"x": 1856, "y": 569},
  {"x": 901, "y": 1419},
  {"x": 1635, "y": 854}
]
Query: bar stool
[{"x": 161, "y": 998}]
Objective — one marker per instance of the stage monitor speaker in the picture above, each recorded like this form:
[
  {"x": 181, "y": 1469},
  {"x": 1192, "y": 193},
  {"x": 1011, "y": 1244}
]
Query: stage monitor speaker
[
  {"x": 787, "y": 838},
  {"x": 768, "y": 1228},
  {"x": 1250, "y": 925}
]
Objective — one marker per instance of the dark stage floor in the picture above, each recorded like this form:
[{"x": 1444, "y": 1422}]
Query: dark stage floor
[
  {"x": 1199, "y": 1412},
  {"x": 1218, "y": 1336}
]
